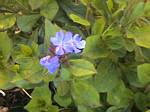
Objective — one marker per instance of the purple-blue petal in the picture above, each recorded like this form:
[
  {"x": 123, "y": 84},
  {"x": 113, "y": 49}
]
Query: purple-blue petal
[
  {"x": 68, "y": 37},
  {"x": 68, "y": 49},
  {"x": 55, "y": 41},
  {"x": 77, "y": 37},
  {"x": 60, "y": 36},
  {"x": 45, "y": 61},
  {"x": 59, "y": 50},
  {"x": 52, "y": 64},
  {"x": 67, "y": 43},
  {"x": 76, "y": 50},
  {"x": 81, "y": 44}
]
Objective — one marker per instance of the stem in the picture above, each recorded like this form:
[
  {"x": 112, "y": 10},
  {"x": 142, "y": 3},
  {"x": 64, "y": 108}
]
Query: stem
[
  {"x": 3, "y": 93},
  {"x": 26, "y": 93},
  {"x": 87, "y": 13},
  {"x": 76, "y": 1},
  {"x": 87, "y": 16},
  {"x": 107, "y": 29}
]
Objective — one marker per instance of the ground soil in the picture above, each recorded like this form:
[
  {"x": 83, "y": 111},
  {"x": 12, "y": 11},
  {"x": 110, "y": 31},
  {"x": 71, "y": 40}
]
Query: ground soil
[{"x": 14, "y": 100}]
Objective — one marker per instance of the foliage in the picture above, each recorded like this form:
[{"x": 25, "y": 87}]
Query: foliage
[{"x": 112, "y": 74}]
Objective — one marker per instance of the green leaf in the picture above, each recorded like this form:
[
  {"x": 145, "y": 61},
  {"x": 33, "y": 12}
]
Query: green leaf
[
  {"x": 107, "y": 76},
  {"x": 84, "y": 94},
  {"x": 114, "y": 109},
  {"x": 95, "y": 48},
  {"x": 139, "y": 56},
  {"x": 7, "y": 21},
  {"x": 113, "y": 38},
  {"x": 84, "y": 109},
  {"x": 62, "y": 97},
  {"x": 102, "y": 7},
  {"x": 75, "y": 30},
  {"x": 145, "y": 53},
  {"x": 110, "y": 4},
  {"x": 129, "y": 45},
  {"x": 42, "y": 93},
  {"x": 19, "y": 81},
  {"x": 5, "y": 78},
  {"x": 5, "y": 45},
  {"x": 79, "y": 20},
  {"x": 30, "y": 72},
  {"x": 35, "y": 4},
  {"x": 98, "y": 26},
  {"x": 141, "y": 36},
  {"x": 49, "y": 9},
  {"x": 141, "y": 101},
  {"x": 120, "y": 96},
  {"x": 65, "y": 74},
  {"x": 26, "y": 22},
  {"x": 144, "y": 73},
  {"x": 50, "y": 30},
  {"x": 26, "y": 50},
  {"x": 21, "y": 3},
  {"x": 35, "y": 49},
  {"x": 85, "y": 2},
  {"x": 120, "y": 52},
  {"x": 131, "y": 75},
  {"x": 41, "y": 100},
  {"x": 115, "y": 42},
  {"x": 147, "y": 8},
  {"x": 81, "y": 67},
  {"x": 147, "y": 111},
  {"x": 111, "y": 33},
  {"x": 71, "y": 7},
  {"x": 63, "y": 88},
  {"x": 63, "y": 100},
  {"x": 137, "y": 11}
]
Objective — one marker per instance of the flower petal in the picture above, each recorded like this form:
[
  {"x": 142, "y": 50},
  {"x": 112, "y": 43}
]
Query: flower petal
[
  {"x": 54, "y": 64},
  {"x": 68, "y": 37},
  {"x": 60, "y": 36},
  {"x": 76, "y": 50},
  {"x": 55, "y": 41},
  {"x": 81, "y": 44},
  {"x": 59, "y": 50},
  {"x": 68, "y": 49},
  {"x": 45, "y": 61},
  {"x": 77, "y": 37},
  {"x": 67, "y": 43}
]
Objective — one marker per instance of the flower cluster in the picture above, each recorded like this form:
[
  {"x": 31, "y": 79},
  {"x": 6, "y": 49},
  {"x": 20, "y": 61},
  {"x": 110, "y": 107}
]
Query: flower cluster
[{"x": 62, "y": 43}]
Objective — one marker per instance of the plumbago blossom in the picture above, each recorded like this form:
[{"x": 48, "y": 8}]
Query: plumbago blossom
[
  {"x": 63, "y": 43},
  {"x": 51, "y": 63},
  {"x": 67, "y": 43}
]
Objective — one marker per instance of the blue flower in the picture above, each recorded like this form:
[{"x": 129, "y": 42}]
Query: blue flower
[
  {"x": 51, "y": 63},
  {"x": 60, "y": 42},
  {"x": 67, "y": 43},
  {"x": 77, "y": 44}
]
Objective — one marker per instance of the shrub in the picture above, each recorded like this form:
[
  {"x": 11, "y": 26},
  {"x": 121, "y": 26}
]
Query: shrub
[{"x": 111, "y": 73}]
